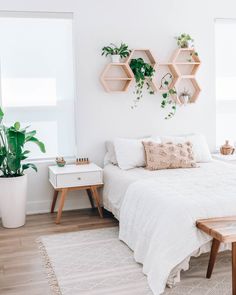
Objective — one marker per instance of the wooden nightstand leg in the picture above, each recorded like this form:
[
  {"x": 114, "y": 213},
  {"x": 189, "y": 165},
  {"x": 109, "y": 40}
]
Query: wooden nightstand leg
[
  {"x": 97, "y": 200},
  {"x": 54, "y": 201},
  {"x": 234, "y": 268},
  {"x": 90, "y": 197},
  {"x": 214, "y": 250},
  {"x": 62, "y": 201}
]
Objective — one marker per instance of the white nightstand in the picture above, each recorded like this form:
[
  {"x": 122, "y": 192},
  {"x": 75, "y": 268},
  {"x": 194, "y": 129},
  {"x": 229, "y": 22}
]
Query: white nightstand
[
  {"x": 226, "y": 158},
  {"x": 87, "y": 177}
]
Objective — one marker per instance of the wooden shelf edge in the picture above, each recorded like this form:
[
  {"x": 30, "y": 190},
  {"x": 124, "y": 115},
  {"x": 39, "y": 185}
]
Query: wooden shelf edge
[{"x": 117, "y": 79}]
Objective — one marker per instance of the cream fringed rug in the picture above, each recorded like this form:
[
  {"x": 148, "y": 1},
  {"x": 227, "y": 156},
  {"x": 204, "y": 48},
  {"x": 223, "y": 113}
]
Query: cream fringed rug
[{"x": 95, "y": 262}]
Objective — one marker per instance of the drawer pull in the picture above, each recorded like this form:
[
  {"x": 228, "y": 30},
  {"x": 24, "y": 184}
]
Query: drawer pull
[{"x": 79, "y": 178}]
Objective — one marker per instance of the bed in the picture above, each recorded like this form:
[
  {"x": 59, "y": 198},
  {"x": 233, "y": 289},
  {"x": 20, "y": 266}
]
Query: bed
[{"x": 157, "y": 211}]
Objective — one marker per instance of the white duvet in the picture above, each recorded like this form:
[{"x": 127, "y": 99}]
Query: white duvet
[{"x": 158, "y": 214}]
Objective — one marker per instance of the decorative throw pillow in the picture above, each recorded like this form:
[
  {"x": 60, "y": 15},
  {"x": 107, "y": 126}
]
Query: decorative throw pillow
[
  {"x": 169, "y": 155},
  {"x": 200, "y": 147}
]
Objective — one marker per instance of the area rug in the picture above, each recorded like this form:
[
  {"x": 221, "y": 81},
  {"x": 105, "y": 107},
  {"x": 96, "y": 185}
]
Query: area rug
[{"x": 95, "y": 262}]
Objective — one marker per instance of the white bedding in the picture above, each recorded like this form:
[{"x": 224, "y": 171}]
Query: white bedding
[{"x": 158, "y": 210}]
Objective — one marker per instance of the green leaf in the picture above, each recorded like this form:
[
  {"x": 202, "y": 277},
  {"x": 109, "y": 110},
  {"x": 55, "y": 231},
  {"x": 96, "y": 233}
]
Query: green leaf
[
  {"x": 1, "y": 115},
  {"x": 29, "y": 135},
  {"x": 13, "y": 162},
  {"x": 29, "y": 165},
  {"x": 164, "y": 95},
  {"x": 38, "y": 143},
  {"x": 16, "y": 140},
  {"x": 17, "y": 126}
]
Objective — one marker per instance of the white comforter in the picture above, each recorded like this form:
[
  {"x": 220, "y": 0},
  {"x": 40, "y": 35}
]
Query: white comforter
[{"x": 158, "y": 215}]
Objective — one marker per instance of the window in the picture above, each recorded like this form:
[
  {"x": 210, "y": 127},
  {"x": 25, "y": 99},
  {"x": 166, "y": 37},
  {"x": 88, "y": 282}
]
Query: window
[
  {"x": 37, "y": 78},
  {"x": 225, "y": 49}
]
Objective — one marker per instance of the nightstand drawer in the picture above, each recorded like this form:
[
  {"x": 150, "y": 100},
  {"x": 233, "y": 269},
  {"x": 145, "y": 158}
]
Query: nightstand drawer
[{"x": 79, "y": 179}]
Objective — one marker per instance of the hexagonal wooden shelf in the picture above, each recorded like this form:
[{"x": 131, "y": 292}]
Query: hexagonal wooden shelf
[
  {"x": 163, "y": 70},
  {"x": 186, "y": 61},
  {"x": 148, "y": 57},
  {"x": 194, "y": 85},
  {"x": 117, "y": 77}
]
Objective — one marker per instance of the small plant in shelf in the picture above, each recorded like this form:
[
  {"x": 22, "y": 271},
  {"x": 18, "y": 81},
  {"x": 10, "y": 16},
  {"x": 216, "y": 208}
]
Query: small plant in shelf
[
  {"x": 116, "y": 52},
  {"x": 191, "y": 56},
  {"x": 185, "y": 96},
  {"x": 185, "y": 41},
  {"x": 143, "y": 73},
  {"x": 169, "y": 96}
]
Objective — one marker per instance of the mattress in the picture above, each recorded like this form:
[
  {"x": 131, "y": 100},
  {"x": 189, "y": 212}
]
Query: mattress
[{"x": 117, "y": 181}]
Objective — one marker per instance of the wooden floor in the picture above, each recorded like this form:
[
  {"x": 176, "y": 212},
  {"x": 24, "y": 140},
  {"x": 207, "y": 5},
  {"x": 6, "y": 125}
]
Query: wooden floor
[{"x": 21, "y": 270}]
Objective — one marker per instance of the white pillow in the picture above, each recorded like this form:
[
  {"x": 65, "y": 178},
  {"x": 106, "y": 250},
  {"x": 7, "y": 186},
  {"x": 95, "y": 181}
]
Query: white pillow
[
  {"x": 111, "y": 154},
  {"x": 200, "y": 147},
  {"x": 130, "y": 152}
]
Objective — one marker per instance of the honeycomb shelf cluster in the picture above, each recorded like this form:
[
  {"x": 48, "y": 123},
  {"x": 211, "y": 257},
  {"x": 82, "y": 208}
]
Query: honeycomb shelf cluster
[{"x": 183, "y": 66}]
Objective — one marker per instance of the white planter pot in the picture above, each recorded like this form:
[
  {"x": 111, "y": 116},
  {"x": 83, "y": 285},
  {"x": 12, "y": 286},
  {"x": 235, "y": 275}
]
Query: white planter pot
[
  {"x": 115, "y": 58},
  {"x": 185, "y": 99},
  {"x": 13, "y": 192}
]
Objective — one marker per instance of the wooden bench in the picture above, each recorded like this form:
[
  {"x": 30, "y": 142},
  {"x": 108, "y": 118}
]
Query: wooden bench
[{"x": 222, "y": 230}]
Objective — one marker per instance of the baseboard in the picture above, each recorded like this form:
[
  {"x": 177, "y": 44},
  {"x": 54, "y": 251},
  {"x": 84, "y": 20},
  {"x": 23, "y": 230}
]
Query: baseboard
[{"x": 34, "y": 207}]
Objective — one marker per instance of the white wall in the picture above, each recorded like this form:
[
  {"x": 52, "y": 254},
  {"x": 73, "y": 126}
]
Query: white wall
[{"x": 142, "y": 24}]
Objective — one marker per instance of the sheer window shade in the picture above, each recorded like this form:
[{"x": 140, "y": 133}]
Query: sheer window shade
[
  {"x": 37, "y": 79},
  {"x": 225, "y": 48}
]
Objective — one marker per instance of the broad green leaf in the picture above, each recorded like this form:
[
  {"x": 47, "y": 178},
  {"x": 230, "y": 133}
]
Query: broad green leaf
[
  {"x": 29, "y": 135},
  {"x": 13, "y": 162},
  {"x": 16, "y": 140},
  {"x": 38, "y": 143},
  {"x": 29, "y": 165}
]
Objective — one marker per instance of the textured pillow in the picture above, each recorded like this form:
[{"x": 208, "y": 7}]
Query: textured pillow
[
  {"x": 200, "y": 147},
  {"x": 130, "y": 152},
  {"x": 169, "y": 155}
]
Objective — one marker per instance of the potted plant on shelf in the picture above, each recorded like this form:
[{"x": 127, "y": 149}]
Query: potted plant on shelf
[
  {"x": 143, "y": 72},
  {"x": 185, "y": 41},
  {"x": 13, "y": 180},
  {"x": 185, "y": 96},
  {"x": 116, "y": 52}
]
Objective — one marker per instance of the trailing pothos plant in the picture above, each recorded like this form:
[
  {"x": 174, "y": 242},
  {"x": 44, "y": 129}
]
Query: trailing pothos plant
[
  {"x": 12, "y": 152},
  {"x": 143, "y": 73},
  {"x": 169, "y": 95}
]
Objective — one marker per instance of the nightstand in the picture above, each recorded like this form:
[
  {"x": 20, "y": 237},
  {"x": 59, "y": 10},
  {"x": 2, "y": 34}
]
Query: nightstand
[
  {"x": 87, "y": 177},
  {"x": 226, "y": 158}
]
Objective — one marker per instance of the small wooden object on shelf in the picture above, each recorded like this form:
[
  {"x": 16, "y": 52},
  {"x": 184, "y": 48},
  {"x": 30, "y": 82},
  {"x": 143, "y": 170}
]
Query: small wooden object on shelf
[
  {"x": 82, "y": 161},
  {"x": 227, "y": 149}
]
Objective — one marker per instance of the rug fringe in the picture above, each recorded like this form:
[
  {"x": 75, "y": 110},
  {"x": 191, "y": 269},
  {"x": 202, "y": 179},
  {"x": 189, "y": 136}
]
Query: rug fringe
[{"x": 52, "y": 279}]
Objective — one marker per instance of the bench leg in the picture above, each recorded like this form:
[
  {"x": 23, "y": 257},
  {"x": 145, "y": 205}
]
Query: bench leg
[
  {"x": 214, "y": 250},
  {"x": 234, "y": 268}
]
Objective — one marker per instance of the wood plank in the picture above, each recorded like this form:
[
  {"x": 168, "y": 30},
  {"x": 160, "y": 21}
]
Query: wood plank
[{"x": 21, "y": 270}]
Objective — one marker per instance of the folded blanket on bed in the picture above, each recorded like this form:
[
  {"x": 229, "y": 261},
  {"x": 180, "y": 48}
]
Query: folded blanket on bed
[{"x": 158, "y": 215}]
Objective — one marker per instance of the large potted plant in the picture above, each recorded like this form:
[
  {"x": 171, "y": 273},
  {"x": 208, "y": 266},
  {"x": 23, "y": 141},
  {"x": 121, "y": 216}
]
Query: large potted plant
[{"x": 13, "y": 180}]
